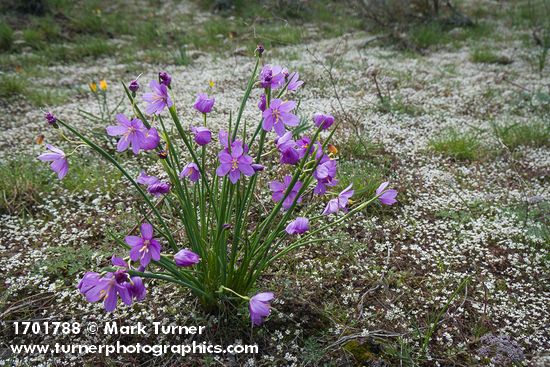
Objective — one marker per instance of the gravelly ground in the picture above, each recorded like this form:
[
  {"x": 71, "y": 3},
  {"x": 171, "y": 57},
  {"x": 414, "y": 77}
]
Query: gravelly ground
[{"x": 393, "y": 269}]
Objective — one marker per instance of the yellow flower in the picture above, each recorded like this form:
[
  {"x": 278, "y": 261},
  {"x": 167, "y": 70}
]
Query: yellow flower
[
  {"x": 93, "y": 87},
  {"x": 211, "y": 84},
  {"x": 103, "y": 84}
]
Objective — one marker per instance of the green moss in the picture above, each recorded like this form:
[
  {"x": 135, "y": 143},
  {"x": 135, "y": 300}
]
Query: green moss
[{"x": 483, "y": 55}]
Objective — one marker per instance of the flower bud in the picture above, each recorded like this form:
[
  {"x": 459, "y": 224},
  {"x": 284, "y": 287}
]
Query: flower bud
[
  {"x": 103, "y": 85},
  {"x": 52, "y": 120},
  {"x": 93, "y": 87},
  {"x": 165, "y": 78},
  {"x": 134, "y": 86},
  {"x": 259, "y": 50}
]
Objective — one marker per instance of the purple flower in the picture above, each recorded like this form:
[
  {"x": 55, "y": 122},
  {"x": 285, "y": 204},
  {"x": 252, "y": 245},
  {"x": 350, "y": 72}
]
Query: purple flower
[
  {"x": 144, "y": 248},
  {"x": 135, "y": 284},
  {"x": 325, "y": 174},
  {"x": 272, "y": 76},
  {"x": 298, "y": 226},
  {"x": 203, "y": 103},
  {"x": 294, "y": 83},
  {"x": 235, "y": 162},
  {"x": 340, "y": 202},
  {"x": 50, "y": 117},
  {"x": 263, "y": 103},
  {"x": 287, "y": 148},
  {"x": 259, "y": 307},
  {"x": 59, "y": 165},
  {"x": 279, "y": 189},
  {"x": 386, "y": 197},
  {"x": 278, "y": 115},
  {"x": 191, "y": 171},
  {"x": 155, "y": 186},
  {"x": 107, "y": 288},
  {"x": 134, "y": 86},
  {"x": 158, "y": 99},
  {"x": 136, "y": 288},
  {"x": 165, "y": 78},
  {"x": 257, "y": 167},
  {"x": 133, "y": 133},
  {"x": 186, "y": 257},
  {"x": 323, "y": 121},
  {"x": 203, "y": 136}
]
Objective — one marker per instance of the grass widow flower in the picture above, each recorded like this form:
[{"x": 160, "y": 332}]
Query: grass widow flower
[
  {"x": 191, "y": 171},
  {"x": 287, "y": 148},
  {"x": 107, "y": 288},
  {"x": 154, "y": 185},
  {"x": 298, "y": 226},
  {"x": 340, "y": 202},
  {"x": 158, "y": 99},
  {"x": 203, "y": 136},
  {"x": 60, "y": 164},
  {"x": 204, "y": 104},
  {"x": 235, "y": 162},
  {"x": 323, "y": 121},
  {"x": 272, "y": 76},
  {"x": 325, "y": 174},
  {"x": 386, "y": 197},
  {"x": 278, "y": 115},
  {"x": 135, "y": 284},
  {"x": 260, "y": 307},
  {"x": 144, "y": 247},
  {"x": 186, "y": 257},
  {"x": 133, "y": 133},
  {"x": 279, "y": 189},
  {"x": 294, "y": 83}
]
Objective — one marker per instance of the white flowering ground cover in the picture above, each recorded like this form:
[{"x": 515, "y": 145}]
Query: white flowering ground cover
[{"x": 463, "y": 254}]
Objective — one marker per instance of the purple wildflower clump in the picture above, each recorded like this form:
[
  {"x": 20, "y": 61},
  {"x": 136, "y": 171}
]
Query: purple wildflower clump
[
  {"x": 272, "y": 76},
  {"x": 501, "y": 349},
  {"x": 191, "y": 171},
  {"x": 235, "y": 161},
  {"x": 133, "y": 133},
  {"x": 112, "y": 286},
  {"x": 298, "y": 226},
  {"x": 325, "y": 174},
  {"x": 158, "y": 99},
  {"x": 154, "y": 185},
  {"x": 278, "y": 115},
  {"x": 202, "y": 135},
  {"x": 60, "y": 164},
  {"x": 186, "y": 258},
  {"x": 204, "y": 104},
  {"x": 339, "y": 203},
  {"x": 386, "y": 197},
  {"x": 144, "y": 248},
  {"x": 259, "y": 307},
  {"x": 279, "y": 189}
]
